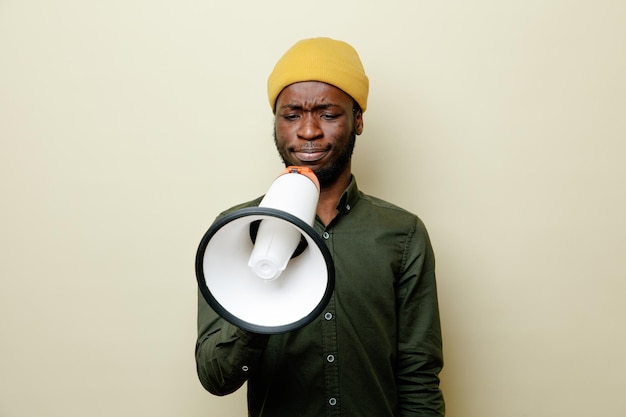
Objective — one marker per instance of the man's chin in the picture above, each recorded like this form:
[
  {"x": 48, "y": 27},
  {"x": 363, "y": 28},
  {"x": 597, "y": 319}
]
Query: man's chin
[{"x": 327, "y": 176}]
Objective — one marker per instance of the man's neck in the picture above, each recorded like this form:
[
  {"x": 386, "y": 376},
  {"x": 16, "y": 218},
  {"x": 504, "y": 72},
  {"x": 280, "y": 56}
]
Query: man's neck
[{"x": 329, "y": 198}]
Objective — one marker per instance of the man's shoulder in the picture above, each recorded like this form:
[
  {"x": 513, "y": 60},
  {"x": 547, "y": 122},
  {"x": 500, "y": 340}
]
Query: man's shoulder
[
  {"x": 380, "y": 204},
  {"x": 390, "y": 213},
  {"x": 251, "y": 203}
]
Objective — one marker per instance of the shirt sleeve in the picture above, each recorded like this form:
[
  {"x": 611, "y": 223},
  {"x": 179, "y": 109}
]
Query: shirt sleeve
[
  {"x": 225, "y": 354},
  {"x": 420, "y": 357}
]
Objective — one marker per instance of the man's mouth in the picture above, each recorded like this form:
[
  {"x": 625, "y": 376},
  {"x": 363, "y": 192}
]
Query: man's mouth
[{"x": 310, "y": 155}]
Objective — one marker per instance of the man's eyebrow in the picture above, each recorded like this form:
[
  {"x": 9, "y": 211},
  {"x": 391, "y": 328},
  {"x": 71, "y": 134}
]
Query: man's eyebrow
[{"x": 322, "y": 106}]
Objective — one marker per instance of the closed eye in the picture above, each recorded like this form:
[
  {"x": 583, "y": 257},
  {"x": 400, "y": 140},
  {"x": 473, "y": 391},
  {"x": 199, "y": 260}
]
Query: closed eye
[
  {"x": 327, "y": 116},
  {"x": 290, "y": 117}
]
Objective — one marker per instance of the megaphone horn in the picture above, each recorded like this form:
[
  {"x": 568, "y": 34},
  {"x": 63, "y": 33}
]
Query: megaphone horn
[{"x": 265, "y": 269}]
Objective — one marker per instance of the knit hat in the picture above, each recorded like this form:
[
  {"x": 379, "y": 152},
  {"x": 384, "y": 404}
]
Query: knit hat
[{"x": 320, "y": 59}]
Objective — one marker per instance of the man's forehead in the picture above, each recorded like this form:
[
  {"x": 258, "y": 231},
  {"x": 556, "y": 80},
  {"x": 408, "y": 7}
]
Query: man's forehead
[{"x": 312, "y": 94}]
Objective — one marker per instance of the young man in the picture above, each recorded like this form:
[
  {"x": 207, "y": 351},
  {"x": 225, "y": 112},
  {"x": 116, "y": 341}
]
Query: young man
[{"x": 375, "y": 351}]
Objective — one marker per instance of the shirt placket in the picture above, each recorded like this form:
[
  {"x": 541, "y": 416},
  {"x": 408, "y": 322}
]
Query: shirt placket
[{"x": 329, "y": 342}]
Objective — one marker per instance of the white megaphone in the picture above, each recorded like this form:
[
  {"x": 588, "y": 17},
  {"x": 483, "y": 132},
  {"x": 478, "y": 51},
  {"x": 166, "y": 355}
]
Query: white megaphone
[{"x": 265, "y": 269}]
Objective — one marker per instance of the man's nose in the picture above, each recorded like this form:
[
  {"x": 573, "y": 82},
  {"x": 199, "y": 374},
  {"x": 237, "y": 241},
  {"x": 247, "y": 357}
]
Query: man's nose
[{"x": 309, "y": 128}]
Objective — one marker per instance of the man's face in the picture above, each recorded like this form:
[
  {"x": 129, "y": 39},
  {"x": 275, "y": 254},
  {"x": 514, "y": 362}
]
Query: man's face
[{"x": 316, "y": 127}]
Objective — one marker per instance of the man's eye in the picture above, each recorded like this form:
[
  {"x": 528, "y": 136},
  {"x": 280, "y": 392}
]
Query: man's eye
[
  {"x": 290, "y": 117},
  {"x": 327, "y": 116}
]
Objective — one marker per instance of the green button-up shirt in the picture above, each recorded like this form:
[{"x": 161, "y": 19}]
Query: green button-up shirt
[{"x": 375, "y": 351}]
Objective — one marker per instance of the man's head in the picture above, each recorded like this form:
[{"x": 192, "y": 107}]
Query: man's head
[
  {"x": 320, "y": 59},
  {"x": 318, "y": 92}
]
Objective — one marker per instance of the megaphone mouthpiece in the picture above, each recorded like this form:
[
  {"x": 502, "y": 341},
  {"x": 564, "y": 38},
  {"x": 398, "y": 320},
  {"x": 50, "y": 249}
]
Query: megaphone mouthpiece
[{"x": 295, "y": 191}]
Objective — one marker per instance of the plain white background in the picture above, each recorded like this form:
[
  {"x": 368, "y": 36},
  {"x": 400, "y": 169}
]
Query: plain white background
[{"x": 126, "y": 126}]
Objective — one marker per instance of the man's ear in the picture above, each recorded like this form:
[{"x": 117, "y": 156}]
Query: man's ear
[{"x": 358, "y": 122}]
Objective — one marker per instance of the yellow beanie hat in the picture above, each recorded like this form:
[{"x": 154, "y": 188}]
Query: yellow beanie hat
[{"x": 320, "y": 59}]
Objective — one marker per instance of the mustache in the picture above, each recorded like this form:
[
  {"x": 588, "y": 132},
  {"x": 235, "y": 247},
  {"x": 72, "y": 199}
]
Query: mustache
[{"x": 310, "y": 147}]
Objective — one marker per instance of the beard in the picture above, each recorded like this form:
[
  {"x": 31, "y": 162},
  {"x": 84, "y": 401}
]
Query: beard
[{"x": 327, "y": 175}]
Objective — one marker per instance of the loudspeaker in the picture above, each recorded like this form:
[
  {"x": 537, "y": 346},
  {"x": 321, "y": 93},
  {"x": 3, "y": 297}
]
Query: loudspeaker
[{"x": 265, "y": 269}]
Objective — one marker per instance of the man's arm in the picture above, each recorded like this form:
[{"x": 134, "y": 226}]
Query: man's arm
[
  {"x": 420, "y": 357},
  {"x": 225, "y": 354}
]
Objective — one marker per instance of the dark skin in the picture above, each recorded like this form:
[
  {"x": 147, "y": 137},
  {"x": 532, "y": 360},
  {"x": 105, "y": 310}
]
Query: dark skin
[{"x": 315, "y": 127}]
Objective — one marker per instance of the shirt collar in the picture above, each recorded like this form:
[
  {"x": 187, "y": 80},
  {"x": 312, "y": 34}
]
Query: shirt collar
[{"x": 349, "y": 198}]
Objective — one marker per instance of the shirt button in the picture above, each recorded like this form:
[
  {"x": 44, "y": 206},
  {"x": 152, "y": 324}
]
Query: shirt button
[
  {"x": 244, "y": 368},
  {"x": 348, "y": 207},
  {"x": 330, "y": 358},
  {"x": 332, "y": 401},
  {"x": 325, "y": 235},
  {"x": 328, "y": 316}
]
